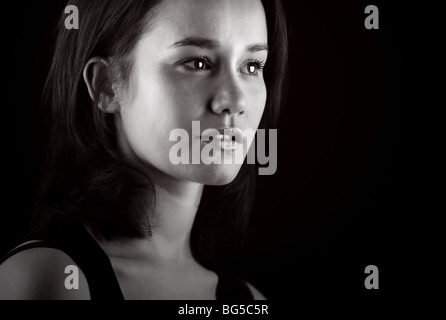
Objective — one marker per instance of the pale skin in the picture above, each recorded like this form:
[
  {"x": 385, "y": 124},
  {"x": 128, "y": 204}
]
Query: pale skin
[{"x": 167, "y": 89}]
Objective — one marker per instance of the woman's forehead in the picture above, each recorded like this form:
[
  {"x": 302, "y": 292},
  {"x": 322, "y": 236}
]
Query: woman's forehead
[{"x": 221, "y": 20}]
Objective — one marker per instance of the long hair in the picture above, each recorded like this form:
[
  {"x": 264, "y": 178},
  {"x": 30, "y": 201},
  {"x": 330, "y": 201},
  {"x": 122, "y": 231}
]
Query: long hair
[{"x": 85, "y": 175}]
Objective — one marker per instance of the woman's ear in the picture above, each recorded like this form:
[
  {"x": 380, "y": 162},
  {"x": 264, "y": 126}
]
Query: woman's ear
[{"x": 96, "y": 74}]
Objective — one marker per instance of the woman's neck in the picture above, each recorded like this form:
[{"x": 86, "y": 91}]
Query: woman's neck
[{"x": 176, "y": 204}]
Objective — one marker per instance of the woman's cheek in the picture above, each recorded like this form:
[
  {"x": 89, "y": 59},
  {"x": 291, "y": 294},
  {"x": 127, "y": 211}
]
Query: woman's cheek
[{"x": 257, "y": 96}]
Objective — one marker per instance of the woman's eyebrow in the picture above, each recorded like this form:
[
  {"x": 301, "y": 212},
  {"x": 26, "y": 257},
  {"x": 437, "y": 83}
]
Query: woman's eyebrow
[
  {"x": 258, "y": 47},
  {"x": 212, "y": 44},
  {"x": 196, "y": 42}
]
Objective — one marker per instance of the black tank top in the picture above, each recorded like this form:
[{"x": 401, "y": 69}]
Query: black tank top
[{"x": 70, "y": 236}]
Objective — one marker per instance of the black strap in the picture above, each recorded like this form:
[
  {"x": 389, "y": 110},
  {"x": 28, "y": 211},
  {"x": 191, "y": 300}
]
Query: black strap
[
  {"x": 70, "y": 237},
  {"x": 231, "y": 287},
  {"x": 25, "y": 246}
]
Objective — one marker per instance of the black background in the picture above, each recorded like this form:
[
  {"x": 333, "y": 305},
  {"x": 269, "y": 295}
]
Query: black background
[{"x": 350, "y": 183}]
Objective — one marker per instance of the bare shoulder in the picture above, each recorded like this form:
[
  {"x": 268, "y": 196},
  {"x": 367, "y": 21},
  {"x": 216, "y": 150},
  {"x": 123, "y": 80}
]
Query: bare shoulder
[
  {"x": 256, "y": 293},
  {"x": 42, "y": 274}
]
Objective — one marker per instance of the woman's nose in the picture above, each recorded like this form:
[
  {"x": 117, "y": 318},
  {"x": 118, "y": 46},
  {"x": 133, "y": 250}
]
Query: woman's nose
[{"x": 229, "y": 98}]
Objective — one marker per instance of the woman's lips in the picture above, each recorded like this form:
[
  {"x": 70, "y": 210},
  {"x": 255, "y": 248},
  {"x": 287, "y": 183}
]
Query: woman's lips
[
  {"x": 224, "y": 142},
  {"x": 225, "y": 139}
]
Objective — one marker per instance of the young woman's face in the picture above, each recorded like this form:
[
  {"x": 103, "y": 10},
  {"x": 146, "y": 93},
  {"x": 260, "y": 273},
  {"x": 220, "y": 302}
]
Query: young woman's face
[{"x": 200, "y": 61}]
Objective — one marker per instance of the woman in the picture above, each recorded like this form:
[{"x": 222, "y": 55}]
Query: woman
[{"x": 112, "y": 201}]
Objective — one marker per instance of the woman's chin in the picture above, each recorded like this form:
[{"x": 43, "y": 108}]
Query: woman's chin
[{"x": 215, "y": 175}]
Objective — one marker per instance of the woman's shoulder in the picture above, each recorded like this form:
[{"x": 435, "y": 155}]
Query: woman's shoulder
[
  {"x": 255, "y": 292},
  {"x": 232, "y": 286},
  {"x": 42, "y": 273}
]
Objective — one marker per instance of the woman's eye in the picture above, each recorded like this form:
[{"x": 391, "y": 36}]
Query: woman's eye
[
  {"x": 252, "y": 68},
  {"x": 198, "y": 64}
]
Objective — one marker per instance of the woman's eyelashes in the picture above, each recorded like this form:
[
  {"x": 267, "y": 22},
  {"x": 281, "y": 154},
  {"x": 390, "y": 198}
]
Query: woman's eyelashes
[
  {"x": 253, "y": 67},
  {"x": 250, "y": 67},
  {"x": 197, "y": 64}
]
